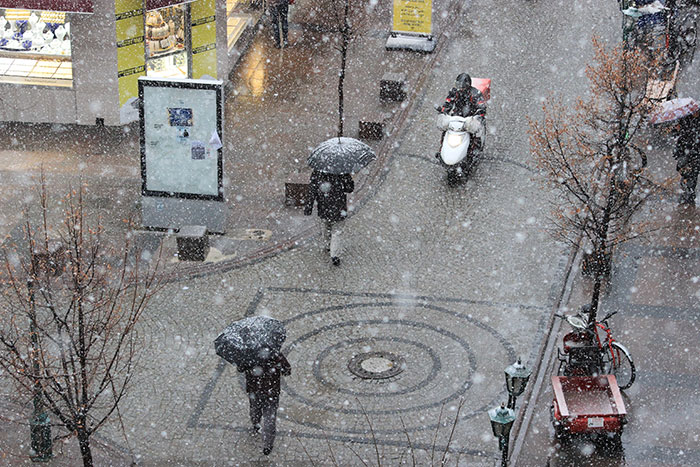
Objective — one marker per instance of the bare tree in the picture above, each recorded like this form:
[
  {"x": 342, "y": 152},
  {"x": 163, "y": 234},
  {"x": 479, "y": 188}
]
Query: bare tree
[
  {"x": 69, "y": 304},
  {"x": 593, "y": 155}
]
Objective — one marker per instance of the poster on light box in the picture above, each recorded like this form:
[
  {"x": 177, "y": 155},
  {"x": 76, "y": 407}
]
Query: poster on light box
[{"x": 181, "y": 134}]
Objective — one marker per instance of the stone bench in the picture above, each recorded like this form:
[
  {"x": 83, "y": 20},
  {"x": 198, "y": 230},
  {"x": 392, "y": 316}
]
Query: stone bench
[
  {"x": 295, "y": 189},
  {"x": 391, "y": 87},
  {"x": 371, "y": 126},
  {"x": 192, "y": 243}
]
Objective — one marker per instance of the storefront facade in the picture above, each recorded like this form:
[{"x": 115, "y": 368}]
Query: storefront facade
[{"x": 79, "y": 61}]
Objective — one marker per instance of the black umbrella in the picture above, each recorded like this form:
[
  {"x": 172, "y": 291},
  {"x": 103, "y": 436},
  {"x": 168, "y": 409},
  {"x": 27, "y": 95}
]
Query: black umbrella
[
  {"x": 341, "y": 156},
  {"x": 250, "y": 341}
]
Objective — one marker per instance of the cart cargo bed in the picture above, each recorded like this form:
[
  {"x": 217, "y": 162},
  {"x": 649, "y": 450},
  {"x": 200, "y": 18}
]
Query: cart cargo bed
[{"x": 588, "y": 404}]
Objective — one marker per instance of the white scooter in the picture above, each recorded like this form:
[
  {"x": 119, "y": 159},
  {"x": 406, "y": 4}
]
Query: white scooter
[{"x": 462, "y": 143}]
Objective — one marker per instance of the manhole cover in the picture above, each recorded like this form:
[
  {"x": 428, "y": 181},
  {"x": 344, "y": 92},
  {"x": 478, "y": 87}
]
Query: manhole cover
[{"x": 376, "y": 365}]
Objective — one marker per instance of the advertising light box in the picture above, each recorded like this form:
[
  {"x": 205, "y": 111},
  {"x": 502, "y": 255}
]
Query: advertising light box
[{"x": 181, "y": 127}]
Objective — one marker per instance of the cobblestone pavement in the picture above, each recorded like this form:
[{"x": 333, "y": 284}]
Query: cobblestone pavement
[{"x": 455, "y": 282}]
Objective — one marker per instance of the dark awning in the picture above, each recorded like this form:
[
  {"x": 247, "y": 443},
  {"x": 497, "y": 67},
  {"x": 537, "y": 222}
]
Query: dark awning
[
  {"x": 70, "y": 6},
  {"x": 155, "y": 4}
]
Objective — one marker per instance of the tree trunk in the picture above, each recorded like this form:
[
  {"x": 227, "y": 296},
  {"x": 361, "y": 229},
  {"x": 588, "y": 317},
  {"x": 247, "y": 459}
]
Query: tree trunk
[
  {"x": 341, "y": 83},
  {"x": 600, "y": 253},
  {"x": 85, "y": 452},
  {"x": 345, "y": 42}
]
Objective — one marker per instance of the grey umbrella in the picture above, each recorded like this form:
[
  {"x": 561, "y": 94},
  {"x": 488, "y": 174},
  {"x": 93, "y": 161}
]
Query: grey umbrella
[
  {"x": 250, "y": 341},
  {"x": 341, "y": 156}
]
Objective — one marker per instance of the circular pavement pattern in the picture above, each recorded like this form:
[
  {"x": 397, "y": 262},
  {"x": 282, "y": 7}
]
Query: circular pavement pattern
[{"x": 385, "y": 361}]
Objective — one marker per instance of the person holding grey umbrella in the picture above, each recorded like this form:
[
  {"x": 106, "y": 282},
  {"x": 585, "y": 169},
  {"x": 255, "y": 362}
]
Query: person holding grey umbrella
[
  {"x": 262, "y": 384},
  {"x": 334, "y": 161}
]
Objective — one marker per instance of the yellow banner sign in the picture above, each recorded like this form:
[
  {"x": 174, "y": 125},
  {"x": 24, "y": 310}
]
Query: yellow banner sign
[
  {"x": 414, "y": 16},
  {"x": 131, "y": 61}
]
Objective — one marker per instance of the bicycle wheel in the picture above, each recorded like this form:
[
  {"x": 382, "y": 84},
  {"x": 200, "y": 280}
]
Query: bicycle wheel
[{"x": 623, "y": 367}]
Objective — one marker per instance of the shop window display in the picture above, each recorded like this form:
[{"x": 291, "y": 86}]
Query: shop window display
[
  {"x": 35, "y": 47},
  {"x": 167, "y": 42}
]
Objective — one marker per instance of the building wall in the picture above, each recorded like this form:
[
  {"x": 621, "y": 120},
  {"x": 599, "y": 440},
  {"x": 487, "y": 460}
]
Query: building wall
[
  {"x": 95, "y": 66},
  {"x": 94, "y": 91},
  {"x": 105, "y": 76}
]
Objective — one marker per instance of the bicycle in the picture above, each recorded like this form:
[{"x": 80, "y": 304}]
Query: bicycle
[{"x": 585, "y": 354}]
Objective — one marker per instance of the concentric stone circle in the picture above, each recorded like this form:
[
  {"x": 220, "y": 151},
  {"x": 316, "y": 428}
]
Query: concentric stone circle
[
  {"x": 358, "y": 388},
  {"x": 439, "y": 365}
]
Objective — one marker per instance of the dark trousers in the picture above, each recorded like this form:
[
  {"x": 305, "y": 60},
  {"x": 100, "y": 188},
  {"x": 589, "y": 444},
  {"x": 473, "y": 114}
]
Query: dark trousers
[
  {"x": 265, "y": 409},
  {"x": 689, "y": 180},
  {"x": 279, "y": 14}
]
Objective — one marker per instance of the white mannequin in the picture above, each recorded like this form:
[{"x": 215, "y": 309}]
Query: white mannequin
[
  {"x": 37, "y": 42},
  {"x": 33, "y": 19},
  {"x": 60, "y": 32}
]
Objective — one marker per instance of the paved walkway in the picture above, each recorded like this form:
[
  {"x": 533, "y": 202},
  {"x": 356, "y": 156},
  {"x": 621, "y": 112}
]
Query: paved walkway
[{"x": 456, "y": 281}]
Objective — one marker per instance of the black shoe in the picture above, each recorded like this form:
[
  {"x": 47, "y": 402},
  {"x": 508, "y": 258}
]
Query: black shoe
[
  {"x": 267, "y": 451},
  {"x": 254, "y": 429},
  {"x": 335, "y": 260},
  {"x": 285, "y": 44}
]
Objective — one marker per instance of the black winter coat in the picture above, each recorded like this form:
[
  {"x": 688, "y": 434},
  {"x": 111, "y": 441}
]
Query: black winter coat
[
  {"x": 264, "y": 380},
  {"x": 687, "y": 151},
  {"x": 328, "y": 190},
  {"x": 458, "y": 101}
]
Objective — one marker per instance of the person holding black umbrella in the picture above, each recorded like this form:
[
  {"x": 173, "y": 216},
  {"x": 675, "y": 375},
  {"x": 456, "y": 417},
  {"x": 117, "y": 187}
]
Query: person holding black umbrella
[
  {"x": 262, "y": 384},
  {"x": 254, "y": 345}
]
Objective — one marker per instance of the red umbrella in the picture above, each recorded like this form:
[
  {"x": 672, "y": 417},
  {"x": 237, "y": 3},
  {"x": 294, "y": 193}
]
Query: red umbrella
[{"x": 674, "y": 109}]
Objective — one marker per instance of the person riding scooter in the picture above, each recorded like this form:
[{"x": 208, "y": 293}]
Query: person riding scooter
[{"x": 463, "y": 100}]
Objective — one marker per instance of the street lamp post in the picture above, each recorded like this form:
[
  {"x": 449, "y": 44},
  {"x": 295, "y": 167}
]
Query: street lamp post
[
  {"x": 517, "y": 376},
  {"x": 502, "y": 419}
]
